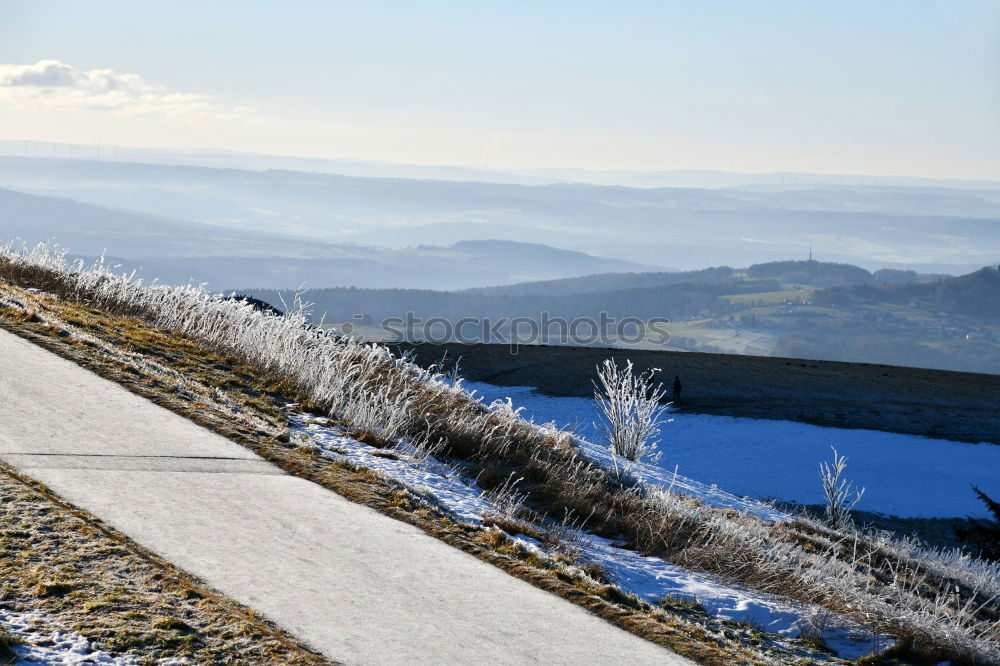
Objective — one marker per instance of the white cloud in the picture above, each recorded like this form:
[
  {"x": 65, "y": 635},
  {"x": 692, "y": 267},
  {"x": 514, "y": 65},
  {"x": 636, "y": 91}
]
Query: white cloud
[{"x": 55, "y": 86}]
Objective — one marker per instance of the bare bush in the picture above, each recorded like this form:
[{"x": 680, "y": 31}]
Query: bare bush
[
  {"x": 839, "y": 494},
  {"x": 632, "y": 410}
]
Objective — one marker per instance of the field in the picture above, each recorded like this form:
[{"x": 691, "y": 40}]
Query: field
[
  {"x": 696, "y": 335},
  {"x": 771, "y": 297}
]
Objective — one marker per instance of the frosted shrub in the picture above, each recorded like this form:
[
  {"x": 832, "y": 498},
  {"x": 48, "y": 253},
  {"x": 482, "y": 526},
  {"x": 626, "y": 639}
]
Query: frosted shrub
[
  {"x": 840, "y": 495},
  {"x": 630, "y": 405}
]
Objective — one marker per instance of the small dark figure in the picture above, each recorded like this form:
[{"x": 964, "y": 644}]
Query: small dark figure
[{"x": 677, "y": 388}]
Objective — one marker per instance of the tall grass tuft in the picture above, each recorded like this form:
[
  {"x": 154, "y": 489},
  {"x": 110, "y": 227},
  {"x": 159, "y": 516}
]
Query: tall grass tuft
[{"x": 839, "y": 494}]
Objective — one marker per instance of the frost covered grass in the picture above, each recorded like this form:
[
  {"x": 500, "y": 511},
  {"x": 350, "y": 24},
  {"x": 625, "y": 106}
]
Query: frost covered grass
[
  {"x": 840, "y": 495},
  {"x": 923, "y": 595},
  {"x": 650, "y": 579},
  {"x": 939, "y": 604}
]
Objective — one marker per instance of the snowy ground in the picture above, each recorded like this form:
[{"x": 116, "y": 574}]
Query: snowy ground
[
  {"x": 40, "y": 644},
  {"x": 649, "y": 577},
  {"x": 904, "y": 475}
]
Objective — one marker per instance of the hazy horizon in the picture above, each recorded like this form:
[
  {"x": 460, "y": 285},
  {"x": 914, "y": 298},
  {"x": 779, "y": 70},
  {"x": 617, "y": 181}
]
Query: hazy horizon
[
  {"x": 143, "y": 154},
  {"x": 897, "y": 89}
]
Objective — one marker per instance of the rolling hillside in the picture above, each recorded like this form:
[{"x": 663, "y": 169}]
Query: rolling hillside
[
  {"x": 683, "y": 227},
  {"x": 775, "y": 309},
  {"x": 177, "y": 251},
  {"x": 974, "y": 295},
  {"x": 813, "y": 273}
]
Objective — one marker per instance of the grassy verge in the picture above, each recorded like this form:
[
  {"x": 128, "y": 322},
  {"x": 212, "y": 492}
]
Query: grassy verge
[
  {"x": 229, "y": 397},
  {"x": 83, "y": 576}
]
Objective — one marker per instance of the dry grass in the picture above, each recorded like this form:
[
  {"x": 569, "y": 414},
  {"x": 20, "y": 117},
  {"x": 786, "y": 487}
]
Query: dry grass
[{"x": 87, "y": 578}]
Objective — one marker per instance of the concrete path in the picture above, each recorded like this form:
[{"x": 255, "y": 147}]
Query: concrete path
[{"x": 358, "y": 586}]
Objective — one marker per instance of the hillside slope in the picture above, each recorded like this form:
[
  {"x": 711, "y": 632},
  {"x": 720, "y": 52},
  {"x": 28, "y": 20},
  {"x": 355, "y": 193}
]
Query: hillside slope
[
  {"x": 231, "y": 518},
  {"x": 974, "y": 295},
  {"x": 402, "y": 413}
]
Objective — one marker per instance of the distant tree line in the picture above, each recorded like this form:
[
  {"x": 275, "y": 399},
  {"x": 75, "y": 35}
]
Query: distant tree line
[
  {"x": 974, "y": 295},
  {"x": 816, "y": 273},
  {"x": 829, "y": 274},
  {"x": 613, "y": 282},
  {"x": 671, "y": 302}
]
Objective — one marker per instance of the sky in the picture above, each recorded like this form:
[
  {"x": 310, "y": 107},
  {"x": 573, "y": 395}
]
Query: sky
[{"x": 909, "y": 88}]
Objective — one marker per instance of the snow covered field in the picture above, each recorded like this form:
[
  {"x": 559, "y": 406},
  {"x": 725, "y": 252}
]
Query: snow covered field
[{"x": 905, "y": 475}]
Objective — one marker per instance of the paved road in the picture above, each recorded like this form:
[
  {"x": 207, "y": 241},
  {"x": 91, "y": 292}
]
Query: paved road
[{"x": 358, "y": 586}]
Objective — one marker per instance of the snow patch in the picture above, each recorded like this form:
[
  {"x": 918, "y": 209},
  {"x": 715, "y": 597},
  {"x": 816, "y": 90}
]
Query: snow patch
[{"x": 42, "y": 644}]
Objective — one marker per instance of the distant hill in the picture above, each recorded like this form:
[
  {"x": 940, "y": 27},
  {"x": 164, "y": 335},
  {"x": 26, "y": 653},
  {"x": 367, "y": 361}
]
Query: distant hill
[
  {"x": 91, "y": 230},
  {"x": 610, "y": 282},
  {"x": 682, "y": 227},
  {"x": 828, "y": 274},
  {"x": 225, "y": 159},
  {"x": 227, "y": 257},
  {"x": 423, "y": 267},
  {"x": 700, "y": 178},
  {"x": 950, "y": 323},
  {"x": 974, "y": 295},
  {"x": 341, "y": 304},
  {"x": 527, "y": 258},
  {"x": 812, "y": 273},
  {"x": 646, "y": 295}
]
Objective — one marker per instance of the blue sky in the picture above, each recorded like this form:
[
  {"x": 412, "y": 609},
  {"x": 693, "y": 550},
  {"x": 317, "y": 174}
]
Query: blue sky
[{"x": 904, "y": 88}]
